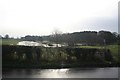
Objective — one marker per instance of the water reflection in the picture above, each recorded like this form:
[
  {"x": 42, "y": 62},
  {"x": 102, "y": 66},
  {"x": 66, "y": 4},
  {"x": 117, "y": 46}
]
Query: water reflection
[
  {"x": 59, "y": 70},
  {"x": 62, "y": 73},
  {"x": 53, "y": 73}
]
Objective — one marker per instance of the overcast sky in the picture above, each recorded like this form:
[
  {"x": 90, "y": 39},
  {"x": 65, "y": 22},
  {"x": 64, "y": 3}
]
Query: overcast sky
[{"x": 41, "y": 17}]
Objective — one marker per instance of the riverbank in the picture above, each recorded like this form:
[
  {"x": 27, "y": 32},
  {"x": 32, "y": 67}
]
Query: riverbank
[{"x": 64, "y": 57}]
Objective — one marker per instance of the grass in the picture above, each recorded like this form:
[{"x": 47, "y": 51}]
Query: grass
[
  {"x": 98, "y": 47},
  {"x": 9, "y": 41},
  {"x": 114, "y": 49}
]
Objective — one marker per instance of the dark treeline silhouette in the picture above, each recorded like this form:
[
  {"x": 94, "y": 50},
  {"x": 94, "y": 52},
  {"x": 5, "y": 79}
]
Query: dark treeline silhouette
[
  {"x": 85, "y": 38},
  {"x": 32, "y": 38},
  {"x": 5, "y": 37}
]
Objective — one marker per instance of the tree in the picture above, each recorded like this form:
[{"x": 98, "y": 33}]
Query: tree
[
  {"x": 0, "y": 37},
  {"x": 6, "y": 36},
  {"x": 56, "y": 36},
  {"x": 107, "y": 36}
]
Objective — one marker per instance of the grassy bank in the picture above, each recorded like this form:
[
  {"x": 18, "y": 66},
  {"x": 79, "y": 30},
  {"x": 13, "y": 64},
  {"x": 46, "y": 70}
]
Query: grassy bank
[
  {"x": 114, "y": 49},
  {"x": 40, "y": 57}
]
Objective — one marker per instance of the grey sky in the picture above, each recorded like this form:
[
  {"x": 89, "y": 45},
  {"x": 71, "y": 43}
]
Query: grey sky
[{"x": 41, "y": 17}]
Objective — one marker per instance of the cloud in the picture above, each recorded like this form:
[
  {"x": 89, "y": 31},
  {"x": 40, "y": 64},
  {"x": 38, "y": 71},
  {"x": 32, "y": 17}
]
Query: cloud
[{"x": 39, "y": 17}]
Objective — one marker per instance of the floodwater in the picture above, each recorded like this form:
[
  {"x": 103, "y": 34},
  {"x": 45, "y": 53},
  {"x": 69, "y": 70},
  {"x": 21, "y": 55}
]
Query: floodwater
[{"x": 62, "y": 73}]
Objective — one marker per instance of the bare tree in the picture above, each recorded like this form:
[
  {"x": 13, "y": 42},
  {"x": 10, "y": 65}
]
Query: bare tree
[{"x": 56, "y": 34}]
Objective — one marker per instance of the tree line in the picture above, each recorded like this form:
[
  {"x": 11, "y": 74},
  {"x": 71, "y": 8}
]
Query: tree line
[{"x": 85, "y": 38}]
